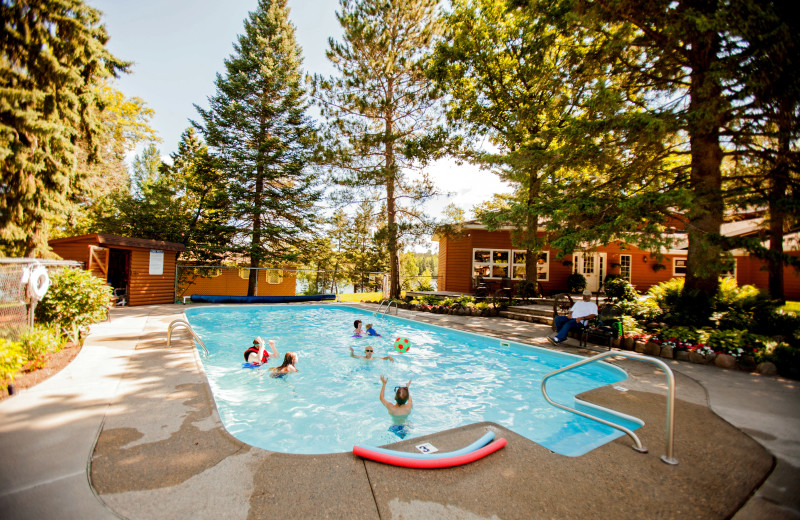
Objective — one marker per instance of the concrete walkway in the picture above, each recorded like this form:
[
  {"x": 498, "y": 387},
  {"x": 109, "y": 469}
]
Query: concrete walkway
[{"x": 129, "y": 430}]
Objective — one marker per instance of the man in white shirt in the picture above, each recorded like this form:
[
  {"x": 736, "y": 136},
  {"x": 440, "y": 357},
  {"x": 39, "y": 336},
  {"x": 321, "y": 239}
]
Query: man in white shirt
[{"x": 580, "y": 313}]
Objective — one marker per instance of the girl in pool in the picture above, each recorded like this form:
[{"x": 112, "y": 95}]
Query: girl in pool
[
  {"x": 257, "y": 354},
  {"x": 357, "y": 332},
  {"x": 289, "y": 361},
  {"x": 400, "y": 409}
]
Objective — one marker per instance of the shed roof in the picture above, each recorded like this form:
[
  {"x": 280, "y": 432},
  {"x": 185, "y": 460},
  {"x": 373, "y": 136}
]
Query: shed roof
[{"x": 122, "y": 242}]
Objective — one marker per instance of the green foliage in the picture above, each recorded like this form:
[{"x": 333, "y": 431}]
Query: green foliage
[
  {"x": 38, "y": 343},
  {"x": 75, "y": 298},
  {"x": 380, "y": 106},
  {"x": 620, "y": 289},
  {"x": 725, "y": 341},
  {"x": 576, "y": 282},
  {"x": 12, "y": 358},
  {"x": 261, "y": 138},
  {"x": 787, "y": 359},
  {"x": 53, "y": 61},
  {"x": 645, "y": 310},
  {"x": 686, "y": 335}
]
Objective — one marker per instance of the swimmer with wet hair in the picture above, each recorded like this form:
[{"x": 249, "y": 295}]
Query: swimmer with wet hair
[{"x": 403, "y": 403}]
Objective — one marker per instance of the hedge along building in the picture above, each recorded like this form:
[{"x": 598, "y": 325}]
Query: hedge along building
[
  {"x": 140, "y": 270},
  {"x": 477, "y": 253}
]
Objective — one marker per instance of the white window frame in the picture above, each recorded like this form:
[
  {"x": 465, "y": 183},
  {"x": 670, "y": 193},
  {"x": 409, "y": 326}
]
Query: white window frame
[
  {"x": 543, "y": 268},
  {"x": 675, "y": 266},
  {"x": 491, "y": 263},
  {"x": 625, "y": 267},
  {"x": 731, "y": 274}
]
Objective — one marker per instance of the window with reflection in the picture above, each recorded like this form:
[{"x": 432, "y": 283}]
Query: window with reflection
[{"x": 493, "y": 263}]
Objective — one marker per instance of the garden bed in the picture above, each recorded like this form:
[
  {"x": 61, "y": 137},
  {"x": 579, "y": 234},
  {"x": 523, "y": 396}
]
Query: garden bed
[{"x": 56, "y": 361}]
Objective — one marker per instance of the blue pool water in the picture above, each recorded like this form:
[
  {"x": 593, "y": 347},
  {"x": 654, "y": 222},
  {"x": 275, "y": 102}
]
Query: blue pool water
[{"x": 332, "y": 402}]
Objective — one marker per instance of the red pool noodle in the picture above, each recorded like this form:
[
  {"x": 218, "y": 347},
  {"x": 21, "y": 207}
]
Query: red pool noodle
[{"x": 399, "y": 460}]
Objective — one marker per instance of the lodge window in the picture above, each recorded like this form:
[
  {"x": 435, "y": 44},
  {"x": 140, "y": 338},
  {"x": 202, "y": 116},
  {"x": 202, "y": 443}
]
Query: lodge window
[
  {"x": 625, "y": 267},
  {"x": 274, "y": 276},
  {"x": 679, "y": 267},
  {"x": 499, "y": 263},
  {"x": 729, "y": 273}
]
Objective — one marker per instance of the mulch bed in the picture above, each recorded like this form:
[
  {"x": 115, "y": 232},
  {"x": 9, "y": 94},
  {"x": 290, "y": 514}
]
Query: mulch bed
[{"x": 55, "y": 362}]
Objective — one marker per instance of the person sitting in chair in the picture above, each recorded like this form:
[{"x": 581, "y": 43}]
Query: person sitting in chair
[{"x": 579, "y": 316}]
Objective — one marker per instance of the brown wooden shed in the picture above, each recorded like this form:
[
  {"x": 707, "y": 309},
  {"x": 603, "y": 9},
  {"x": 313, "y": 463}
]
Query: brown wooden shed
[{"x": 141, "y": 271}]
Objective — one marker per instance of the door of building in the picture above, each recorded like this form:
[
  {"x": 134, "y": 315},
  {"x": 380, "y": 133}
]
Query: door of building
[{"x": 592, "y": 266}]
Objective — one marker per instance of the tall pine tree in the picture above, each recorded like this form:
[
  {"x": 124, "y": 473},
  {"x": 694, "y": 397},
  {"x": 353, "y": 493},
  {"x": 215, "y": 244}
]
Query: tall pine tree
[
  {"x": 379, "y": 106},
  {"x": 258, "y": 131},
  {"x": 53, "y": 59}
]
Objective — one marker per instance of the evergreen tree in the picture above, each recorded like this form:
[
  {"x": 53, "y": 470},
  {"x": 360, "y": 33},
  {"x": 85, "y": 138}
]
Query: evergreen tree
[
  {"x": 259, "y": 134},
  {"x": 53, "y": 58},
  {"x": 124, "y": 123},
  {"x": 379, "y": 106}
]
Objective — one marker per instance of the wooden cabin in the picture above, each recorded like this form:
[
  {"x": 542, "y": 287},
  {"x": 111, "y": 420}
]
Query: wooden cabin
[
  {"x": 477, "y": 254},
  {"x": 141, "y": 271},
  {"x": 233, "y": 281}
]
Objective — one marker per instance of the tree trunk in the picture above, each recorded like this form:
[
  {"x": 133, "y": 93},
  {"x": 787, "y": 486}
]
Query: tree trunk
[
  {"x": 777, "y": 201},
  {"x": 391, "y": 209},
  {"x": 255, "y": 246},
  {"x": 704, "y": 120},
  {"x": 532, "y": 248}
]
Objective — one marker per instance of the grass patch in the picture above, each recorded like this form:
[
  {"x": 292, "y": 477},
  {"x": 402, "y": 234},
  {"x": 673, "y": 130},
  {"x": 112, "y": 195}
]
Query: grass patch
[
  {"x": 791, "y": 307},
  {"x": 357, "y": 297}
]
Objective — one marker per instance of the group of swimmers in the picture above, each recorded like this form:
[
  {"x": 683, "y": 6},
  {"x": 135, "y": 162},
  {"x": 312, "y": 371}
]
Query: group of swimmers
[{"x": 257, "y": 355}]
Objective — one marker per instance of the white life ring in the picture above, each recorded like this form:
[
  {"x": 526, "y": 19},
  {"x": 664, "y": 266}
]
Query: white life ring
[{"x": 38, "y": 282}]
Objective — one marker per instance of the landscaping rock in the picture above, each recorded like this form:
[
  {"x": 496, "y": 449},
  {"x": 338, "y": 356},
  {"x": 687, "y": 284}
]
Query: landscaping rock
[
  {"x": 628, "y": 343},
  {"x": 666, "y": 352},
  {"x": 767, "y": 368},
  {"x": 682, "y": 355},
  {"x": 695, "y": 357},
  {"x": 638, "y": 346},
  {"x": 651, "y": 348},
  {"x": 616, "y": 342},
  {"x": 725, "y": 361}
]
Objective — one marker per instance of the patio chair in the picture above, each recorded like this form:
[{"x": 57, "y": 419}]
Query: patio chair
[
  {"x": 505, "y": 289},
  {"x": 480, "y": 289},
  {"x": 562, "y": 303},
  {"x": 606, "y": 326}
]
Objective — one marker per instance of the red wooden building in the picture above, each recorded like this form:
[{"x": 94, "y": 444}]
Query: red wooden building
[
  {"x": 477, "y": 252},
  {"x": 140, "y": 271}
]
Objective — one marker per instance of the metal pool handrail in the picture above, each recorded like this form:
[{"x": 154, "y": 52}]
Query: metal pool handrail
[
  {"x": 388, "y": 306},
  {"x": 667, "y": 458},
  {"x": 191, "y": 331}
]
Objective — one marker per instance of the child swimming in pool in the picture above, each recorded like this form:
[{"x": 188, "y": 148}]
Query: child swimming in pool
[
  {"x": 257, "y": 354},
  {"x": 289, "y": 361},
  {"x": 371, "y": 331},
  {"x": 357, "y": 330},
  {"x": 402, "y": 405},
  {"x": 368, "y": 354}
]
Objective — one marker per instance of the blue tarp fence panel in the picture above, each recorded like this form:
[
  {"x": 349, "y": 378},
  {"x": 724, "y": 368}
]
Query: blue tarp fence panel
[{"x": 210, "y": 298}]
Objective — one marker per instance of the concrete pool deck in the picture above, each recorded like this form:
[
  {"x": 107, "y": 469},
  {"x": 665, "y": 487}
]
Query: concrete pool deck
[{"x": 129, "y": 430}]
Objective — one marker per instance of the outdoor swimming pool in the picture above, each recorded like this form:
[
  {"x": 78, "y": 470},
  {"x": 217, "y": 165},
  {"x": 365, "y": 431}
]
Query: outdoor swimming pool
[{"x": 332, "y": 402}]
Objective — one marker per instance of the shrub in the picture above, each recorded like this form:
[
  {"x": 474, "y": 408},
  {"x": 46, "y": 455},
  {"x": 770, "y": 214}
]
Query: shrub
[
  {"x": 38, "y": 343},
  {"x": 646, "y": 310},
  {"x": 12, "y": 358},
  {"x": 726, "y": 342},
  {"x": 76, "y": 298},
  {"x": 620, "y": 289},
  {"x": 787, "y": 359},
  {"x": 576, "y": 282},
  {"x": 667, "y": 294}
]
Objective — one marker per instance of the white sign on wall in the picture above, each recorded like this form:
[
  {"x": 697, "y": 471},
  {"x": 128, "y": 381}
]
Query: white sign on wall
[{"x": 156, "y": 262}]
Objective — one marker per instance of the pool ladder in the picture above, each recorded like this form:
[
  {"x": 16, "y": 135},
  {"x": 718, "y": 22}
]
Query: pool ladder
[
  {"x": 389, "y": 304},
  {"x": 185, "y": 323},
  {"x": 667, "y": 458}
]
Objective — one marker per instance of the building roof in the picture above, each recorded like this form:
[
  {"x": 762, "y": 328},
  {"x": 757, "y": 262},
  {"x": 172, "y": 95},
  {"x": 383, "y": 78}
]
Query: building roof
[{"x": 122, "y": 242}]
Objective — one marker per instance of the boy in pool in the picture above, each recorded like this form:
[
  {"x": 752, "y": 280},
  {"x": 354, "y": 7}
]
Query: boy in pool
[
  {"x": 257, "y": 354},
  {"x": 368, "y": 354},
  {"x": 371, "y": 331}
]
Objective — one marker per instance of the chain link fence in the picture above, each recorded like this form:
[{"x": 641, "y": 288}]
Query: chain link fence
[
  {"x": 234, "y": 281},
  {"x": 16, "y": 305}
]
